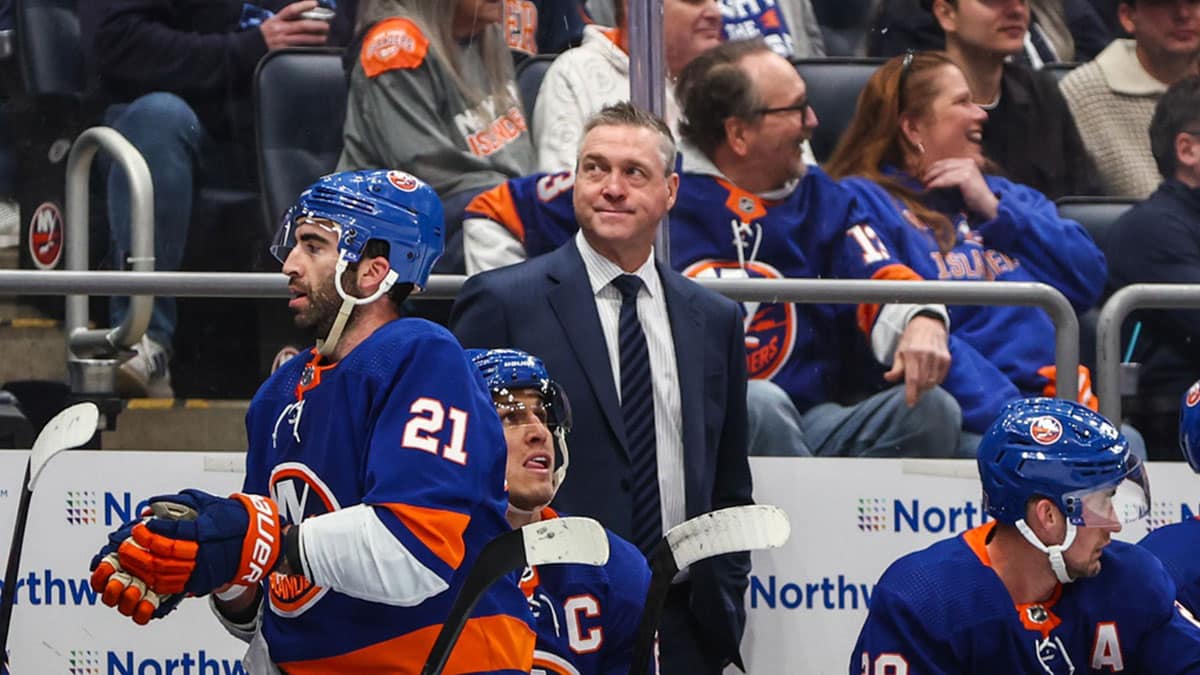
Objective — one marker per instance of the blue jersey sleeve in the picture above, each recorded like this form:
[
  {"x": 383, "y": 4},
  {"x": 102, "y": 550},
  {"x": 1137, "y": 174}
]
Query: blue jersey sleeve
[
  {"x": 629, "y": 581},
  {"x": 1172, "y": 647},
  {"x": 436, "y": 452},
  {"x": 1054, "y": 250},
  {"x": 537, "y": 209},
  {"x": 894, "y": 640}
]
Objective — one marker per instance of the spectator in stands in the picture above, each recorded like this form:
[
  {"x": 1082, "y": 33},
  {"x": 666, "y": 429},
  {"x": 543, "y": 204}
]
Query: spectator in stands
[
  {"x": 1158, "y": 241},
  {"x": 1029, "y": 131},
  {"x": 432, "y": 93},
  {"x": 1061, "y": 31},
  {"x": 913, "y": 157},
  {"x": 789, "y": 26},
  {"x": 543, "y": 26},
  {"x": 177, "y": 76},
  {"x": 583, "y": 80},
  {"x": 1112, "y": 97},
  {"x": 749, "y": 206}
]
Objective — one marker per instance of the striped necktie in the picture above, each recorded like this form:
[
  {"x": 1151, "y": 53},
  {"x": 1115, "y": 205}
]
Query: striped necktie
[{"x": 637, "y": 410}]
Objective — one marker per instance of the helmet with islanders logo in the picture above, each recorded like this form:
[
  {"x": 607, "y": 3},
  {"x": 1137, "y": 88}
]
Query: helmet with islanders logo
[{"x": 1060, "y": 450}]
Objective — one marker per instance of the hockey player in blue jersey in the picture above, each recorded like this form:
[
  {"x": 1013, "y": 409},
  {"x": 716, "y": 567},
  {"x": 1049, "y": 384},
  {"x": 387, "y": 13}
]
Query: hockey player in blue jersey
[
  {"x": 374, "y": 475},
  {"x": 586, "y": 617},
  {"x": 1178, "y": 545},
  {"x": 749, "y": 207},
  {"x": 1041, "y": 588}
]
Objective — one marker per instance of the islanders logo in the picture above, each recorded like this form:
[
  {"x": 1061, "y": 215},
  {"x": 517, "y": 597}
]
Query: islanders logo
[
  {"x": 402, "y": 181},
  {"x": 1045, "y": 430},
  {"x": 1193, "y": 395},
  {"x": 300, "y": 493},
  {"x": 770, "y": 327}
]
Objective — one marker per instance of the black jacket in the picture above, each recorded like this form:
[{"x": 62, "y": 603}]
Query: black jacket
[{"x": 1158, "y": 241}]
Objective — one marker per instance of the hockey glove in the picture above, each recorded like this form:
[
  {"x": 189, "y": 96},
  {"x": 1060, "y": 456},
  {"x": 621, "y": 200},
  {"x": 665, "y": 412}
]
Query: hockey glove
[
  {"x": 232, "y": 540},
  {"x": 118, "y": 588}
]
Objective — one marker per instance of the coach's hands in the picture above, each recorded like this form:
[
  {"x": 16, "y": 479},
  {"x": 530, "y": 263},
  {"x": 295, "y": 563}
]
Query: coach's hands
[{"x": 922, "y": 357}]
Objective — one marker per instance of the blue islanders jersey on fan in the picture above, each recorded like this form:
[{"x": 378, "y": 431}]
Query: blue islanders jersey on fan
[
  {"x": 587, "y": 616},
  {"x": 945, "y": 611},
  {"x": 1178, "y": 547},
  {"x": 719, "y": 230},
  {"x": 404, "y": 425},
  {"x": 998, "y": 352}
]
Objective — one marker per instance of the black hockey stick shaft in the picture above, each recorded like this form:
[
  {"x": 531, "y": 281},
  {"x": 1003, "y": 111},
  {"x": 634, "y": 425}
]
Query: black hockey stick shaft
[
  {"x": 500, "y": 556},
  {"x": 9, "y": 594},
  {"x": 662, "y": 571}
]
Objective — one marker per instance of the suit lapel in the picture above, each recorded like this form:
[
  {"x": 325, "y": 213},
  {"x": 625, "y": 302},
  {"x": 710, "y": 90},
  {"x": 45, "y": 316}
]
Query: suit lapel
[
  {"x": 687, "y": 322},
  {"x": 574, "y": 306}
]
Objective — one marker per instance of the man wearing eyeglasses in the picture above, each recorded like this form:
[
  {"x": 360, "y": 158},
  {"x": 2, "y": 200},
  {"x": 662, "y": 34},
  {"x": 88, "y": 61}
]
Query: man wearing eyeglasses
[
  {"x": 1158, "y": 241},
  {"x": 750, "y": 207}
]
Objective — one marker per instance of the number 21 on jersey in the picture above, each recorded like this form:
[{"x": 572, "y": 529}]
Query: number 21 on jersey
[{"x": 429, "y": 417}]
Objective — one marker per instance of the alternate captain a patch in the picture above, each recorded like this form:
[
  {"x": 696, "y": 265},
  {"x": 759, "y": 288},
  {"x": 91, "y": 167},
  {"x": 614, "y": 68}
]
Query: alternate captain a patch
[{"x": 393, "y": 44}]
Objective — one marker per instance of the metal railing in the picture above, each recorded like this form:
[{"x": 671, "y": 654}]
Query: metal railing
[
  {"x": 1108, "y": 332},
  {"x": 260, "y": 285}
]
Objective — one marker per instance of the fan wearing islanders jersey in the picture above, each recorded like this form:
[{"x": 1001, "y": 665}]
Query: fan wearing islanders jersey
[
  {"x": 913, "y": 159},
  {"x": 1041, "y": 588},
  {"x": 1177, "y": 545},
  {"x": 375, "y": 469},
  {"x": 749, "y": 207},
  {"x": 586, "y": 617}
]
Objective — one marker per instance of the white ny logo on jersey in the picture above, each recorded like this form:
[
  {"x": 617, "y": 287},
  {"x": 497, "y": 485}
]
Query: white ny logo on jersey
[{"x": 1052, "y": 654}]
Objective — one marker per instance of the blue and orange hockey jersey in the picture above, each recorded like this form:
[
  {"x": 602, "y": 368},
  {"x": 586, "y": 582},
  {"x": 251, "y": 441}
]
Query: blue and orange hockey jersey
[
  {"x": 998, "y": 352},
  {"x": 1178, "y": 547},
  {"x": 394, "y": 454},
  {"x": 719, "y": 230},
  {"x": 586, "y": 616},
  {"x": 945, "y": 611}
]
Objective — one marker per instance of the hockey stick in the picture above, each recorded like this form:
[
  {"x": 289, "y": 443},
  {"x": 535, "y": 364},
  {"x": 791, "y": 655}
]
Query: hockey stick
[
  {"x": 731, "y": 530},
  {"x": 68, "y": 429},
  {"x": 548, "y": 542}
]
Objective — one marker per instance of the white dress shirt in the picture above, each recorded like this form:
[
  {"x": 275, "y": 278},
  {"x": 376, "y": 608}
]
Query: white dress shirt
[{"x": 652, "y": 313}]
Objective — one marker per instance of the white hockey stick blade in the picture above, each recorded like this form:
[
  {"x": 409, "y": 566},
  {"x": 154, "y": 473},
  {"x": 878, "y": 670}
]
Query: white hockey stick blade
[
  {"x": 738, "y": 528},
  {"x": 943, "y": 468},
  {"x": 68, "y": 429},
  {"x": 565, "y": 540}
]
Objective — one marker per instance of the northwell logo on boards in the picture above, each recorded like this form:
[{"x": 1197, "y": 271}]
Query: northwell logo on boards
[
  {"x": 878, "y": 514},
  {"x": 89, "y": 507},
  {"x": 89, "y": 662},
  {"x": 1163, "y": 513}
]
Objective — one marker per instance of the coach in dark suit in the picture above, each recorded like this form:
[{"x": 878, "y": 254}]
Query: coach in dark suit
[{"x": 583, "y": 309}]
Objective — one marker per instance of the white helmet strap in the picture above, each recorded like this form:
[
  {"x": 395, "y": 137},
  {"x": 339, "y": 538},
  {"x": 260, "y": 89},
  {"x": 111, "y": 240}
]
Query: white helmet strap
[
  {"x": 1055, "y": 552},
  {"x": 325, "y": 347}
]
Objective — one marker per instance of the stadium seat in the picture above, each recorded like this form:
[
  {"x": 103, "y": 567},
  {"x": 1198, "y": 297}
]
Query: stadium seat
[
  {"x": 299, "y": 109},
  {"x": 833, "y": 87},
  {"x": 1096, "y": 214},
  {"x": 1059, "y": 70},
  {"x": 529, "y": 80},
  {"x": 49, "y": 46}
]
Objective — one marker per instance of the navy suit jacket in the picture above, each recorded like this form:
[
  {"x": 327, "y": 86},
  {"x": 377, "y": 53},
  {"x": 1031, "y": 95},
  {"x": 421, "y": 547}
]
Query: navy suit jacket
[{"x": 546, "y": 307}]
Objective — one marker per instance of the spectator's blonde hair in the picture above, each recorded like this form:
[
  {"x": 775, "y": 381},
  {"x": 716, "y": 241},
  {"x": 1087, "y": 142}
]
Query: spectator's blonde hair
[
  {"x": 435, "y": 18},
  {"x": 904, "y": 85}
]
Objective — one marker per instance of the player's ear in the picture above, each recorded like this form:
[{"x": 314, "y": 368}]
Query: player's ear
[
  {"x": 1042, "y": 512},
  {"x": 371, "y": 272}
]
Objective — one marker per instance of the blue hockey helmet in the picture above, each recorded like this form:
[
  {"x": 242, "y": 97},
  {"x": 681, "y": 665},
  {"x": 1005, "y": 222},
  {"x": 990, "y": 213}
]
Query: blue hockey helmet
[
  {"x": 506, "y": 370},
  {"x": 1063, "y": 451},
  {"x": 386, "y": 205},
  {"x": 1189, "y": 426}
]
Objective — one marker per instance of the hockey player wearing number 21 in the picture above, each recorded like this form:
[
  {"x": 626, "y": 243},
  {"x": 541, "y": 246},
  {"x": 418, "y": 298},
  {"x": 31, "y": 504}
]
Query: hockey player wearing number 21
[
  {"x": 374, "y": 473},
  {"x": 1042, "y": 588},
  {"x": 586, "y": 617}
]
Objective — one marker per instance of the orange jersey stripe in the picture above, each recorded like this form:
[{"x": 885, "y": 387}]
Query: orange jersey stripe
[
  {"x": 441, "y": 531},
  {"x": 487, "y": 643},
  {"x": 497, "y": 204},
  {"x": 895, "y": 272}
]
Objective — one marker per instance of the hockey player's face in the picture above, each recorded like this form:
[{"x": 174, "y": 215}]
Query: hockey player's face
[
  {"x": 622, "y": 189},
  {"x": 309, "y": 267},
  {"x": 1083, "y": 557},
  {"x": 776, "y": 135},
  {"x": 530, "y": 469},
  {"x": 996, "y": 26},
  {"x": 952, "y": 126}
]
